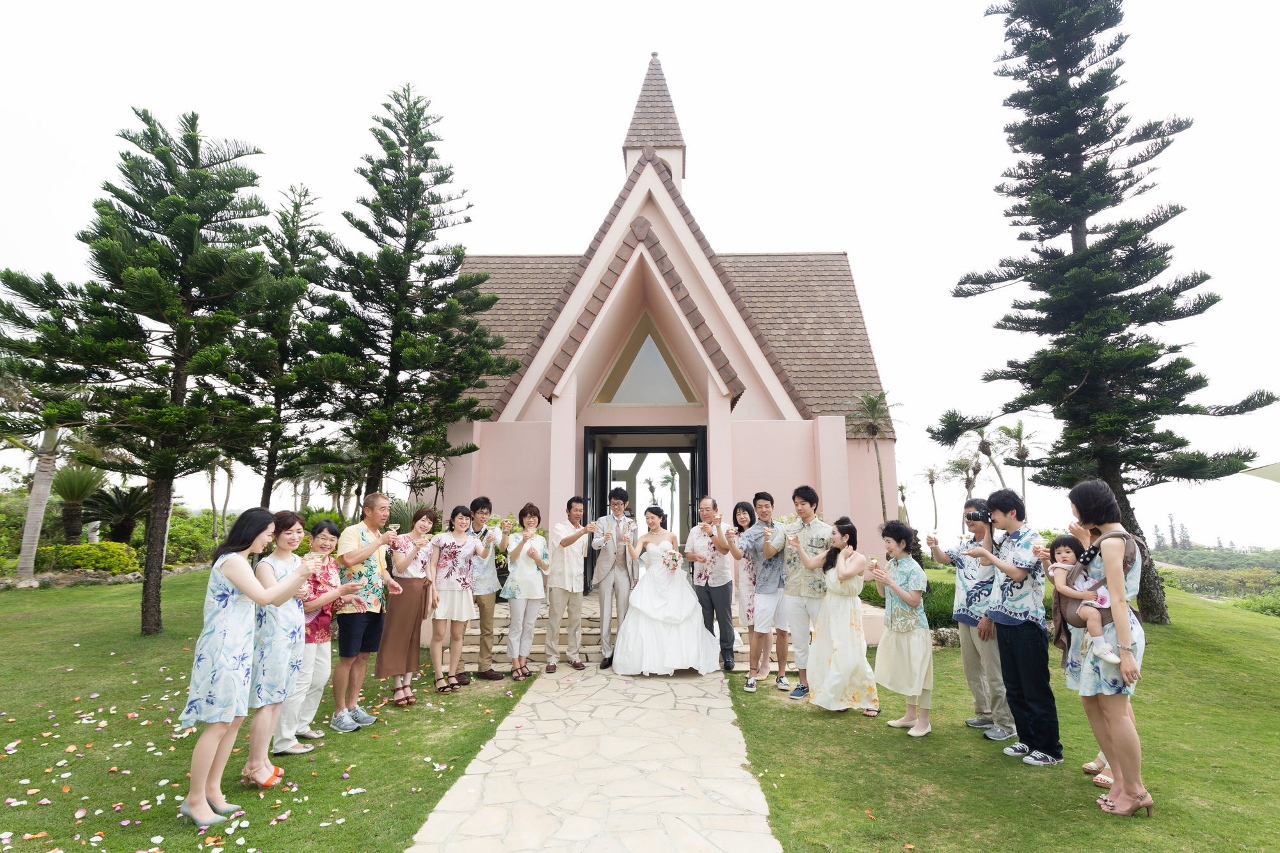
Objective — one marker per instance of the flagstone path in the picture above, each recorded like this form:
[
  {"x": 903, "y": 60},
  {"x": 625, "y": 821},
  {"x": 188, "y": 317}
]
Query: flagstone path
[{"x": 595, "y": 761}]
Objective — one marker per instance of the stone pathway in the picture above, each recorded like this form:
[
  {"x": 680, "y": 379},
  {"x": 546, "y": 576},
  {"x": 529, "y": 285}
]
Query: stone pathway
[{"x": 595, "y": 761}]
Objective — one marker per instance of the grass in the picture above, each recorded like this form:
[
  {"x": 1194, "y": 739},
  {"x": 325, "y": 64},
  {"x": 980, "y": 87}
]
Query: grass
[
  {"x": 1206, "y": 714},
  {"x": 90, "y": 705}
]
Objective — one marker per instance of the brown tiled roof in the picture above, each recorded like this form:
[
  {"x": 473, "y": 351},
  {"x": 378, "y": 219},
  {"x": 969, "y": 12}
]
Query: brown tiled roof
[
  {"x": 654, "y": 121},
  {"x": 808, "y": 306}
]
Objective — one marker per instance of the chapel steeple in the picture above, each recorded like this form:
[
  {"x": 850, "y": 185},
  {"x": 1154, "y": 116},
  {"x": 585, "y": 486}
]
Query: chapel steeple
[{"x": 654, "y": 123}]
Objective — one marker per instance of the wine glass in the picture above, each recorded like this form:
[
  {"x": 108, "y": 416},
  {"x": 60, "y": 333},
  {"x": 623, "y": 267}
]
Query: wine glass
[{"x": 394, "y": 528}]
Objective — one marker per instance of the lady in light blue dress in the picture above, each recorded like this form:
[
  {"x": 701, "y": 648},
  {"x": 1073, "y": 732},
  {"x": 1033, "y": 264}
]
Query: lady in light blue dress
[
  {"x": 278, "y": 644},
  {"x": 218, "y": 690},
  {"x": 1105, "y": 688}
]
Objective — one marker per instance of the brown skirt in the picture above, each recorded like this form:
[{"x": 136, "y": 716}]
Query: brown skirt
[{"x": 401, "y": 647}]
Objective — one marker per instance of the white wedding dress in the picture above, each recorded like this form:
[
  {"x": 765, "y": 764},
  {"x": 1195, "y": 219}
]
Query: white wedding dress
[{"x": 663, "y": 631}]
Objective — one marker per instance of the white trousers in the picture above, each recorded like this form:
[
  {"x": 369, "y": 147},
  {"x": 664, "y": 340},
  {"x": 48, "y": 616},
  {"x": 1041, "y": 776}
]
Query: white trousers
[
  {"x": 616, "y": 585},
  {"x": 802, "y": 620},
  {"x": 524, "y": 617},
  {"x": 299, "y": 708}
]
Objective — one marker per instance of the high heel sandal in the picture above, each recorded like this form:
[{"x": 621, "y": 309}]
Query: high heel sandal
[
  {"x": 1146, "y": 803},
  {"x": 399, "y": 700},
  {"x": 446, "y": 688},
  {"x": 454, "y": 685},
  {"x": 184, "y": 812},
  {"x": 408, "y": 696},
  {"x": 249, "y": 781},
  {"x": 227, "y": 810}
]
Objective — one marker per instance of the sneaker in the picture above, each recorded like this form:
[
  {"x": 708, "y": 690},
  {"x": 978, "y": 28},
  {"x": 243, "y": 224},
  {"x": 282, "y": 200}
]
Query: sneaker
[
  {"x": 361, "y": 716},
  {"x": 782, "y": 683},
  {"x": 978, "y": 723},
  {"x": 1018, "y": 750},
  {"x": 750, "y": 686},
  {"x": 1039, "y": 759},
  {"x": 342, "y": 722},
  {"x": 1103, "y": 651},
  {"x": 801, "y": 691},
  {"x": 997, "y": 733}
]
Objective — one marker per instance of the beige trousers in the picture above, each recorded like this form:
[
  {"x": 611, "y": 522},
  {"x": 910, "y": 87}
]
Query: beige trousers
[
  {"x": 486, "y": 604},
  {"x": 558, "y": 600},
  {"x": 981, "y": 662}
]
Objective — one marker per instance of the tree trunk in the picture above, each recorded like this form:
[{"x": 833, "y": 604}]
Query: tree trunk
[
  {"x": 121, "y": 531},
  {"x": 226, "y": 499},
  {"x": 934, "y": 494},
  {"x": 884, "y": 509},
  {"x": 157, "y": 541},
  {"x": 91, "y": 532},
  {"x": 269, "y": 473},
  {"x": 306, "y": 492},
  {"x": 213, "y": 505},
  {"x": 373, "y": 480},
  {"x": 37, "y": 501},
  {"x": 1151, "y": 603},
  {"x": 72, "y": 521}
]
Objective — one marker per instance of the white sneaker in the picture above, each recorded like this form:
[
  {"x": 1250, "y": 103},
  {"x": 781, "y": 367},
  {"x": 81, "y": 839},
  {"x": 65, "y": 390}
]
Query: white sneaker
[
  {"x": 750, "y": 686},
  {"x": 1102, "y": 651},
  {"x": 342, "y": 722},
  {"x": 782, "y": 683}
]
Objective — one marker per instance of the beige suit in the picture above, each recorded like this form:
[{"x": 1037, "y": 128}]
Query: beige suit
[{"x": 615, "y": 573}]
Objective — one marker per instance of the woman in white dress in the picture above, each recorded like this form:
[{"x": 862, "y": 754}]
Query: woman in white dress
[{"x": 663, "y": 631}]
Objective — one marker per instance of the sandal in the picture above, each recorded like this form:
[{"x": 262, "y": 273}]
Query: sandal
[
  {"x": 446, "y": 688},
  {"x": 398, "y": 699},
  {"x": 871, "y": 712},
  {"x": 454, "y": 686},
  {"x": 409, "y": 698},
  {"x": 1102, "y": 780},
  {"x": 249, "y": 781},
  {"x": 524, "y": 671},
  {"x": 1093, "y": 768},
  {"x": 517, "y": 674}
]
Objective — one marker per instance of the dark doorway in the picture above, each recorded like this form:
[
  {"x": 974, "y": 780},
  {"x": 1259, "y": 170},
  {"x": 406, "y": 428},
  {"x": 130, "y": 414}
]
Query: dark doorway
[{"x": 666, "y": 466}]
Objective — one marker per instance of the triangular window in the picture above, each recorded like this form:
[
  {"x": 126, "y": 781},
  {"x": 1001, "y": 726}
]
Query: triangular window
[{"x": 646, "y": 373}]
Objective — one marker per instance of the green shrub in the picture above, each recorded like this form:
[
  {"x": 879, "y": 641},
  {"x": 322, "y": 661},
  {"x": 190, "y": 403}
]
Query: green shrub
[
  {"x": 1268, "y": 603},
  {"x": 1223, "y": 583},
  {"x": 939, "y": 601},
  {"x": 114, "y": 557},
  {"x": 315, "y": 516}
]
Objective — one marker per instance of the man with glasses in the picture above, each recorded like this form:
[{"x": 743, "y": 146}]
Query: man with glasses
[
  {"x": 708, "y": 550},
  {"x": 615, "y": 572}
]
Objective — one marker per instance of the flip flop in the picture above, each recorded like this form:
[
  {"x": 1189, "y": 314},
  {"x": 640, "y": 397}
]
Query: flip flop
[{"x": 871, "y": 712}]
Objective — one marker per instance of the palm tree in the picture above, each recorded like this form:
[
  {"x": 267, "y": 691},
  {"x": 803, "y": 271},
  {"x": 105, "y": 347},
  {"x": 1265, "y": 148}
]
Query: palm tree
[
  {"x": 871, "y": 419},
  {"x": 1017, "y": 440},
  {"x": 965, "y": 469},
  {"x": 903, "y": 515},
  {"x": 75, "y": 483},
  {"x": 668, "y": 480},
  {"x": 953, "y": 427},
  {"x": 932, "y": 475},
  {"x": 119, "y": 509},
  {"x": 653, "y": 494}
]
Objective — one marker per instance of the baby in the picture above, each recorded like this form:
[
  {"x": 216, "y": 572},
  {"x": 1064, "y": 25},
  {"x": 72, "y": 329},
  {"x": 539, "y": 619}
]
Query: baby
[{"x": 1066, "y": 552}]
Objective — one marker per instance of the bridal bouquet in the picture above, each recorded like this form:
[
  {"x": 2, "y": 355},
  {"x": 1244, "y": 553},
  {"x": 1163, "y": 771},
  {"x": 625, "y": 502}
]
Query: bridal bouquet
[{"x": 671, "y": 560}]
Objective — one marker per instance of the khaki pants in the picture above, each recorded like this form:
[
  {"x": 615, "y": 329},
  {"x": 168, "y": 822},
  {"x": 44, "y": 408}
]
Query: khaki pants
[
  {"x": 616, "y": 585},
  {"x": 486, "y": 603},
  {"x": 981, "y": 662},
  {"x": 558, "y": 600}
]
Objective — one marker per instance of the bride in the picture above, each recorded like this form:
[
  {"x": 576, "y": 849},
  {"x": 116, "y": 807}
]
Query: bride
[{"x": 663, "y": 630}]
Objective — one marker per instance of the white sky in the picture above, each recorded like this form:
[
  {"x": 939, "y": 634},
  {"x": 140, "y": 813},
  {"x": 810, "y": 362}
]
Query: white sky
[{"x": 832, "y": 127}]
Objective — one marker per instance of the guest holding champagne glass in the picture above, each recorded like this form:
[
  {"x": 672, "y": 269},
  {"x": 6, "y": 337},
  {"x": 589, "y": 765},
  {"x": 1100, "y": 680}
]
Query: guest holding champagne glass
[
  {"x": 451, "y": 554},
  {"x": 218, "y": 690},
  {"x": 527, "y": 559},
  {"x": 399, "y": 656}
]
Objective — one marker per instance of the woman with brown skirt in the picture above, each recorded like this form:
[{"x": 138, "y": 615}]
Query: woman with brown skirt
[{"x": 399, "y": 654}]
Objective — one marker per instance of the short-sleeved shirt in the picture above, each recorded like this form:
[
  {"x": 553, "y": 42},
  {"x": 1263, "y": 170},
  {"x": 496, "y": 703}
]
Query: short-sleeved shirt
[
  {"x": 484, "y": 570},
  {"x": 815, "y": 538},
  {"x": 369, "y": 572},
  {"x": 771, "y": 573},
  {"x": 898, "y": 615},
  {"x": 453, "y": 561},
  {"x": 421, "y": 561},
  {"x": 318, "y": 623},
  {"x": 567, "y": 561},
  {"x": 1014, "y": 602},
  {"x": 716, "y": 570},
  {"x": 974, "y": 583}
]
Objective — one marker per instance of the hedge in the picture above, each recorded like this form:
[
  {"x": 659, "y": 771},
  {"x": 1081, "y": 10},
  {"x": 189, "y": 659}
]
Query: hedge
[
  {"x": 939, "y": 600},
  {"x": 114, "y": 557}
]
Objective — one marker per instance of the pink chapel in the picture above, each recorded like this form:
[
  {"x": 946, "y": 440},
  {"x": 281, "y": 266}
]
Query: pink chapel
[{"x": 655, "y": 363}]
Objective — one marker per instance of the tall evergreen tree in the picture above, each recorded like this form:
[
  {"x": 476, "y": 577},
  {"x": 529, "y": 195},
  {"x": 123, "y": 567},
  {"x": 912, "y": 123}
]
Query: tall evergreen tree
[
  {"x": 277, "y": 345},
  {"x": 410, "y": 344},
  {"x": 1093, "y": 283},
  {"x": 150, "y": 338}
]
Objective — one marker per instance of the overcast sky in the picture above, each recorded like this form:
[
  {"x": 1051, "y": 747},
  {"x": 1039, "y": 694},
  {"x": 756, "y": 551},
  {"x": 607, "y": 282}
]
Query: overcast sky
[{"x": 831, "y": 127}]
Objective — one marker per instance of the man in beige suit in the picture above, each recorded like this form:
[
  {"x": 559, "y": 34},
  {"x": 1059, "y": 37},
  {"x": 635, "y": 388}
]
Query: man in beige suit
[{"x": 615, "y": 572}]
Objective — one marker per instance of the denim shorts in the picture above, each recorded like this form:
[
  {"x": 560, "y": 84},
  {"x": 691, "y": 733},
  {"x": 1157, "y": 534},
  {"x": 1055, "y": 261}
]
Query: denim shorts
[{"x": 358, "y": 633}]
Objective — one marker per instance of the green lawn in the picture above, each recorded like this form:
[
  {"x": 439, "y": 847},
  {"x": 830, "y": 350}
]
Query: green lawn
[
  {"x": 88, "y": 704},
  {"x": 1206, "y": 711}
]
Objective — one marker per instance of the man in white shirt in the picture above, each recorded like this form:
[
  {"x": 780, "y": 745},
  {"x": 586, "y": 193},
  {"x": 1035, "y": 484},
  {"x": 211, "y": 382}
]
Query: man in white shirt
[
  {"x": 708, "y": 550},
  {"x": 615, "y": 572},
  {"x": 565, "y": 577}
]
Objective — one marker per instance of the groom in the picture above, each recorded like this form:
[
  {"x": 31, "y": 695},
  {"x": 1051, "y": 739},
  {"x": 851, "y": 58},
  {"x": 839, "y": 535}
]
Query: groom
[{"x": 615, "y": 572}]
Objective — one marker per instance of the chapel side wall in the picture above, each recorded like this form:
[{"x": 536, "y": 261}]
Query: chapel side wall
[
  {"x": 864, "y": 485},
  {"x": 773, "y": 457},
  {"x": 511, "y": 468}
]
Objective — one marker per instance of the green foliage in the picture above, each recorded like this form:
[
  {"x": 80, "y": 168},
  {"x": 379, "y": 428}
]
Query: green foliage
[
  {"x": 1223, "y": 583},
  {"x": 13, "y": 514},
  {"x": 411, "y": 346},
  {"x": 118, "y": 509},
  {"x": 75, "y": 483},
  {"x": 1268, "y": 603},
  {"x": 1196, "y": 557},
  {"x": 939, "y": 597},
  {"x": 190, "y": 536},
  {"x": 114, "y": 557},
  {"x": 315, "y": 516}
]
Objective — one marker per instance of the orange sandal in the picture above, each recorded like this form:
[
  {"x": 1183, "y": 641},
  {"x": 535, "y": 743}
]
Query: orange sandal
[{"x": 277, "y": 774}]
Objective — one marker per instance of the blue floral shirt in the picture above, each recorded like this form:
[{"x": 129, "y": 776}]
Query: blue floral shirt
[
  {"x": 484, "y": 571},
  {"x": 898, "y": 615},
  {"x": 1014, "y": 602},
  {"x": 771, "y": 574},
  {"x": 974, "y": 583}
]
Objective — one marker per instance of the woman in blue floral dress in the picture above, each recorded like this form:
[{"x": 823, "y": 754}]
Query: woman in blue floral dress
[
  {"x": 1105, "y": 689},
  {"x": 278, "y": 645},
  {"x": 218, "y": 692}
]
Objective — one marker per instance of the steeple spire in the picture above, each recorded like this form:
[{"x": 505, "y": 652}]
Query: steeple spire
[{"x": 654, "y": 123}]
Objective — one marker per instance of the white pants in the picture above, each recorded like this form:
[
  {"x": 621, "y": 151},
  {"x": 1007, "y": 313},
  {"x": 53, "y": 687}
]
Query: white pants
[
  {"x": 524, "y": 616},
  {"x": 802, "y": 619},
  {"x": 616, "y": 585},
  {"x": 299, "y": 708}
]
